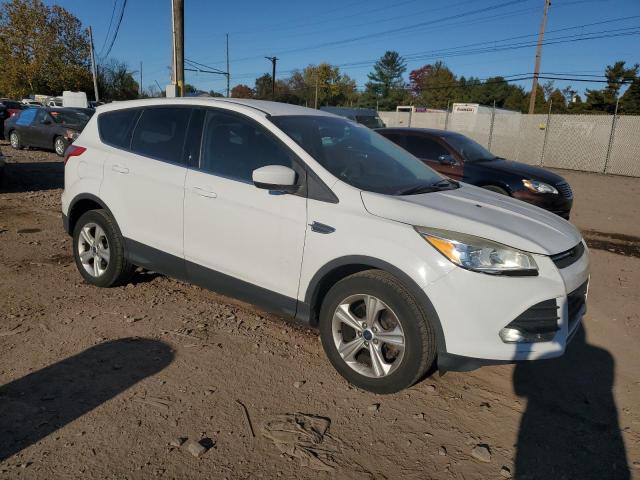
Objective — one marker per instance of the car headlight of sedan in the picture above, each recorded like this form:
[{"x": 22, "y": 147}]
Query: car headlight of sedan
[
  {"x": 479, "y": 254},
  {"x": 539, "y": 187},
  {"x": 71, "y": 135}
]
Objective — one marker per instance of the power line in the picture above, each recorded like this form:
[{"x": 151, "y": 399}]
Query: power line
[
  {"x": 115, "y": 33},
  {"x": 106, "y": 37}
]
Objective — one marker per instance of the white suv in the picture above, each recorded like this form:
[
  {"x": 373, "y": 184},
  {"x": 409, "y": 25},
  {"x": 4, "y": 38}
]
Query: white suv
[{"x": 313, "y": 216}]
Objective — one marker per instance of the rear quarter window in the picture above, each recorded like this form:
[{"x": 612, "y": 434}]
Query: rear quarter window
[{"x": 116, "y": 127}]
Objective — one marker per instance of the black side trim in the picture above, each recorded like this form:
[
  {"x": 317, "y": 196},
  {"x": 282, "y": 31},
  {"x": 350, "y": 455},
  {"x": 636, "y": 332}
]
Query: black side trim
[
  {"x": 65, "y": 224},
  {"x": 167, "y": 264},
  {"x": 569, "y": 257},
  {"x": 311, "y": 295}
]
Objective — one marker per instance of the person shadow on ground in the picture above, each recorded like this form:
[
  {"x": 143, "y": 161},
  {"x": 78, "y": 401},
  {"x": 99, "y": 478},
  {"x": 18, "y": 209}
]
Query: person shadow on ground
[{"x": 570, "y": 427}]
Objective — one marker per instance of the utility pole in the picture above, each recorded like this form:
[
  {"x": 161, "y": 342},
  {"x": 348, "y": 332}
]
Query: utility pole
[
  {"x": 536, "y": 69},
  {"x": 316, "y": 101},
  {"x": 228, "y": 74},
  {"x": 140, "y": 88},
  {"x": 93, "y": 66},
  {"x": 178, "y": 44},
  {"x": 273, "y": 61}
]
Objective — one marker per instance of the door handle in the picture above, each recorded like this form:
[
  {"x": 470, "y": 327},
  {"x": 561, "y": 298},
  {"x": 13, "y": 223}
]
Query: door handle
[
  {"x": 203, "y": 192},
  {"x": 120, "y": 169}
]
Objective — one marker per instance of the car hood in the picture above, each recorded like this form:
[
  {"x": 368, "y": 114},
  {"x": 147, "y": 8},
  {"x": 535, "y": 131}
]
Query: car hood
[
  {"x": 482, "y": 213},
  {"x": 523, "y": 170}
]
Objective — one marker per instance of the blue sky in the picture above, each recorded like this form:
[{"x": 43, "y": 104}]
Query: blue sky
[{"x": 359, "y": 31}]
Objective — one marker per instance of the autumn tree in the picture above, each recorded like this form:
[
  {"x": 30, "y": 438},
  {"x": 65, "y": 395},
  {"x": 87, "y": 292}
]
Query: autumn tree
[
  {"x": 434, "y": 85},
  {"x": 43, "y": 49},
  {"x": 241, "y": 91}
]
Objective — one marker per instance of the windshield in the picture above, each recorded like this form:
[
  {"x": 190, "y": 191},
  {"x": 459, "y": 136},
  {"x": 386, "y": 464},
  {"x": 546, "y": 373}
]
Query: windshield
[
  {"x": 359, "y": 156},
  {"x": 68, "y": 117},
  {"x": 370, "y": 121},
  {"x": 470, "y": 150}
]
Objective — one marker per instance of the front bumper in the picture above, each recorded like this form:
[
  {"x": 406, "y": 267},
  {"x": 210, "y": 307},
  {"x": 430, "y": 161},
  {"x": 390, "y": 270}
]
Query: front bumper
[
  {"x": 554, "y": 203},
  {"x": 474, "y": 307}
]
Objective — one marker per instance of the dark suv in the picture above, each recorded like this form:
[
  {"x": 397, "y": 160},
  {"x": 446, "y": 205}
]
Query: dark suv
[{"x": 463, "y": 159}]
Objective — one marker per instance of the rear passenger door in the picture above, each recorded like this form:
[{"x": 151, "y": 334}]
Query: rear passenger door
[
  {"x": 241, "y": 240},
  {"x": 143, "y": 182}
]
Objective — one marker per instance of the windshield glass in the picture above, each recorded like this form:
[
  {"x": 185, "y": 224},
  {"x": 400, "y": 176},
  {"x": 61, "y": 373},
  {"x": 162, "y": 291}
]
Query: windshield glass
[
  {"x": 359, "y": 156},
  {"x": 470, "y": 150},
  {"x": 68, "y": 117},
  {"x": 370, "y": 121}
]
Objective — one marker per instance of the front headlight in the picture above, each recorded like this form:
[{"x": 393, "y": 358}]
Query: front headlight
[
  {"x": 479, "y": 254},
  {"x": 539, "y": 187}
]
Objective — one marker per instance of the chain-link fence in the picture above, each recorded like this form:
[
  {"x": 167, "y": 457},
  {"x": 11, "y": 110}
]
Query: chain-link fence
[{"x": 592, "y": 143}]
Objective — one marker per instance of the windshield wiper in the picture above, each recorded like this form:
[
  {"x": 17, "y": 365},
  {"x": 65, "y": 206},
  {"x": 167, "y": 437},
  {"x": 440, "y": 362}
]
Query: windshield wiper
[{"x": 444, "y": 184}]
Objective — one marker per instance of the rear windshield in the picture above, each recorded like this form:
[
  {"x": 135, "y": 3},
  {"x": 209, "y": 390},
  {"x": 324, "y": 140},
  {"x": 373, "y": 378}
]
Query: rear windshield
[
  {"x": 470, "y": 150},
  {"x": 370, "y": 121},
  {"x": 356, "y": 154}
]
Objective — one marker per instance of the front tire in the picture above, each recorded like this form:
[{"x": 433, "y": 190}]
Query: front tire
[
  {"x": 98, "y": 249},
  {"x": 375, "y": 333},
  {"x": 60, "y": 146},
  {"x": 15, "y": 141}
]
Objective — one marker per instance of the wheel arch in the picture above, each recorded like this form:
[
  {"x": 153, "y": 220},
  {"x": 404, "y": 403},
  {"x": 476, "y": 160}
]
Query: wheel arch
[
  {"x": 81, "y": 204},
  {"x": 342, "y": 267}
]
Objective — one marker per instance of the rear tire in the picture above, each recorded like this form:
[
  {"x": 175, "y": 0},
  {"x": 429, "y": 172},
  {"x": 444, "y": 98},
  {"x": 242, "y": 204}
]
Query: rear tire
[
  {"x": 98, "y": 249},
  {"x": 395, "y": 344},
  {"x": 60, "y": 146},
  {"x": 15, "y": 141},
  {"x": 496, "y": 189}
]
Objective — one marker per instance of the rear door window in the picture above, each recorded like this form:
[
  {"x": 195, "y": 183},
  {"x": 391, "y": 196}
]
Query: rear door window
[
  {"x": 116, "y": 127},
  {"x": 160, "y": 133},
  {"x": 26, "y": 117}
]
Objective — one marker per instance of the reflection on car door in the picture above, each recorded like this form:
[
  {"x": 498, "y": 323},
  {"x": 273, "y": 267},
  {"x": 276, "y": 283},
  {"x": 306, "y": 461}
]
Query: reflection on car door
[
  {"x": 23, "y": 125},
  {"x": 143, "y": 182},
  {"x": 236, "y": 231},
  {"x": 435, "y": 154},
  {"x": 40, "y": 132}
]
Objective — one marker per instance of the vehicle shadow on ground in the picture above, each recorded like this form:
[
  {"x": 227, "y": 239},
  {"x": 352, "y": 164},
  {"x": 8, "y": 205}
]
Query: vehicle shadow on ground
[
  {"x": 42, "y": 402},
  {"x": 570, "y": 427},
  {"x": 32, "y": 176}
]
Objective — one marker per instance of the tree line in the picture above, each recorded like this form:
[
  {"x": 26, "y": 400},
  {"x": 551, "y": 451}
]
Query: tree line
[
  {"x": 437, "y": 86},
  {"x": 45, "y": 49}
]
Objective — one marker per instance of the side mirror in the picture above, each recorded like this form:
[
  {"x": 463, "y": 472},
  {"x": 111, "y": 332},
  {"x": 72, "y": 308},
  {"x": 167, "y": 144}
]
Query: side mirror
[
  {"x": 447, "y": 159},
  {"x": 45, "y": 122},
  {"x": 275, "y": 177}
]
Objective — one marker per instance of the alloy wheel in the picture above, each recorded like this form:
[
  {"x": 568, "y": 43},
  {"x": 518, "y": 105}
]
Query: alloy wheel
[
  {"x": 368, "y": 335},
  {"x": 93, "y": 249},
  {"x": 59, "y": 146},
  {"x": 14, "y": 140}
]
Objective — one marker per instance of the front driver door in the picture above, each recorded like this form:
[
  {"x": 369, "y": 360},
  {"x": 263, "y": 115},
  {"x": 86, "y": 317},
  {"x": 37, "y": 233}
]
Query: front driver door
[
  {"x": 435, "y": 154},
  {"x": 238, "y": 239}
]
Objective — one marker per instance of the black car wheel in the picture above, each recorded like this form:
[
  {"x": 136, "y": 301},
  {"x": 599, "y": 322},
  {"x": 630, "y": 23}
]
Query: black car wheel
[
  {"x": 60, "y": 145},
  {"x": 14, "y": 139}
]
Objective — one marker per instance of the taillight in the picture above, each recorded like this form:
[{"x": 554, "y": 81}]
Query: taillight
[{"x": 73, "y": 151}]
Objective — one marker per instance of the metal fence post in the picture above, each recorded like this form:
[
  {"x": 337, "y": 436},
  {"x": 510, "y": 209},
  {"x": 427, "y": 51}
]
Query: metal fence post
[
  {"x": 446, "y": 117},
  {"x": 546, "y": 134},
  {"x": 493, "y": 118},
  {"x": 410, "y": 113},
  {"x": 612, "y": 136}
]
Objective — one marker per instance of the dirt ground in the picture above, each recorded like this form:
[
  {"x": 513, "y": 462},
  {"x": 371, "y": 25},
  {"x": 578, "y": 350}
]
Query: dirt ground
[{"x": 107, "y": 383}]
